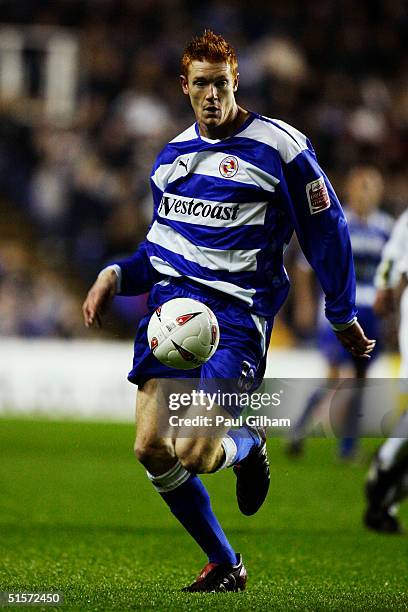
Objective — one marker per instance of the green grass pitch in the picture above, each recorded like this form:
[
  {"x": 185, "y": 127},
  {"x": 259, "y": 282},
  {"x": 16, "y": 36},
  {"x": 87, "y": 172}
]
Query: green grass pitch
[{"x": 78, "y": 515}]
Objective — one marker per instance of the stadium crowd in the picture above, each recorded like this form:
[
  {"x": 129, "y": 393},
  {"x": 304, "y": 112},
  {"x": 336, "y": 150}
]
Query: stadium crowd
[{"x": 336, "y": 70}]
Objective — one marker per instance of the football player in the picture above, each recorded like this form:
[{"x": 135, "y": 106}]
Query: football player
[{"x": 228, "y": 193}]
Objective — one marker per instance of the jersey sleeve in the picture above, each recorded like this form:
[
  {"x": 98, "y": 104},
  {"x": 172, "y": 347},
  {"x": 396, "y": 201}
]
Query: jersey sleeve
[
  {"x": 322, "y": 231},
  {"x": 137, "y": 274}
]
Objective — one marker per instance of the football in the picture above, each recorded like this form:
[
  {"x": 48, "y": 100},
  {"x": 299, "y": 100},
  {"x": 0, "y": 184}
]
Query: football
[{"x": 183, "y": 333}]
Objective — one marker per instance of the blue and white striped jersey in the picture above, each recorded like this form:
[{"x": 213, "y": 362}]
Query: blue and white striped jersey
[{"x": 225, "y": 209}]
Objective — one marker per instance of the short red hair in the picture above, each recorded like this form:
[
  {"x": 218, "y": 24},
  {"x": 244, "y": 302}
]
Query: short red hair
[{"x": 211, "y": 47}]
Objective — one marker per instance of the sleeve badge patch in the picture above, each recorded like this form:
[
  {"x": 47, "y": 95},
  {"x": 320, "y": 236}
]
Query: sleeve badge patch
[{"x": 317, "y": 196}]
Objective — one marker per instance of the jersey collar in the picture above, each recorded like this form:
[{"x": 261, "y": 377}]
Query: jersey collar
[{"x": 247, "y": 122}]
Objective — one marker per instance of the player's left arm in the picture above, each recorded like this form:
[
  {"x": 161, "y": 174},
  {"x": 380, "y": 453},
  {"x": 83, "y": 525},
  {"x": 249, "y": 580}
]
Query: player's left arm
[{"x": 322, "y": 231}]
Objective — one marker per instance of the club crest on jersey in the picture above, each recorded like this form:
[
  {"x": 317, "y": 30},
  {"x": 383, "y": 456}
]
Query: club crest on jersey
[
  {"x": 317, "y": 196},
  {"x": 229, "y": 166}
]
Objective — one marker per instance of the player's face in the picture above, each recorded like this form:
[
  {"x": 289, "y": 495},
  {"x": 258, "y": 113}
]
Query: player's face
[{"x": 211, "y": 88}]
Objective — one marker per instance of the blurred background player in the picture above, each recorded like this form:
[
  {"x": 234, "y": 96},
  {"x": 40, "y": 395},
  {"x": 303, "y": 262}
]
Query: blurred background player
[
  {"x": 369, "y": 230},
  {"x": 387, "y": 482}
]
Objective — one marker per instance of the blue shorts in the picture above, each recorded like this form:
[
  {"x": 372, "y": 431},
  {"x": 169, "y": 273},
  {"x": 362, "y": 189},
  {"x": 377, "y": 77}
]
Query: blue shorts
[
  {"x": 241, "y": 350},
  {"x": 335, "y": 352}
]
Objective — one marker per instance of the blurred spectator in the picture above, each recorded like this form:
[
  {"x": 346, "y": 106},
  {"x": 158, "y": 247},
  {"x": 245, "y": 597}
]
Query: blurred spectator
[{"x": 33, "y": 302}]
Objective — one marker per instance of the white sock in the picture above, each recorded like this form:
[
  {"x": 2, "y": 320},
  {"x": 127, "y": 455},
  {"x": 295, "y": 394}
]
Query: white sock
[
  {"x": 171, "y": 479},
  {"x": 230, "y": 451}
]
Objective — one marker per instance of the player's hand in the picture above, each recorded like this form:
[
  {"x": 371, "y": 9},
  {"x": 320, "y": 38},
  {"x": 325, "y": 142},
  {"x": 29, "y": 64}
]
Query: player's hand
[
  {"x": 99, "y": 297},
  {"x": 356, "y": 342},
  {"x": 384, "y": 302}
]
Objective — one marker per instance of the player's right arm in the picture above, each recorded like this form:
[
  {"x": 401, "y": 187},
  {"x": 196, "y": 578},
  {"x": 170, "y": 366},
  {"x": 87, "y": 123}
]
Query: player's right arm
[
  {"x": 99, "y": 297},
  {"x": 131, "y": 276}
]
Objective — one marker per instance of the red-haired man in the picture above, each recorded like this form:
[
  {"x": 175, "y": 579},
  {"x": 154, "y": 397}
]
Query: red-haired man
[{"x": 228, "y": 193}]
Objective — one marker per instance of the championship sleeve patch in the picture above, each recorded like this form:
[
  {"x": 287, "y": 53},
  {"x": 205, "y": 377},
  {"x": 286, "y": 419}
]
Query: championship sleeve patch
[{"x": 317, "y": 196}]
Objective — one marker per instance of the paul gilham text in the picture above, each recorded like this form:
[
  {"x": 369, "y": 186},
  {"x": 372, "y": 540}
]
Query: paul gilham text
[{"x": 220, "y": 420}]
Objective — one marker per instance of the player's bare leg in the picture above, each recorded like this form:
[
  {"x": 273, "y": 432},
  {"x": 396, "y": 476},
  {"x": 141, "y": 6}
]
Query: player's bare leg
[
  {"x": 185, "y": 495},
  {"x": 154, "y": 451},
  {"x": 158, "y": 453},
  {"x": 199, "y": 454},
  {"x": 173, "y": 462}
]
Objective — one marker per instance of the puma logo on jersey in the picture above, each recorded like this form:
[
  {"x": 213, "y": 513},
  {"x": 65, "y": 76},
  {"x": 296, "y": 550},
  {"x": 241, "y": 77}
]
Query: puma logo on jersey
[{"x": 184, "y": 164}]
